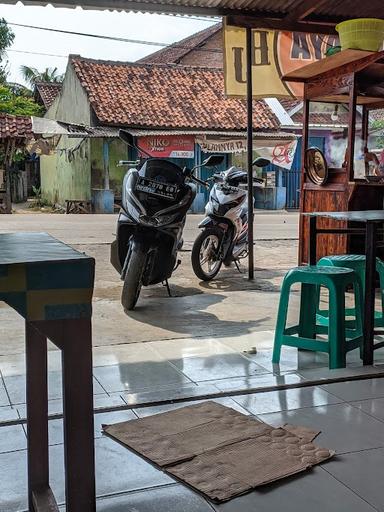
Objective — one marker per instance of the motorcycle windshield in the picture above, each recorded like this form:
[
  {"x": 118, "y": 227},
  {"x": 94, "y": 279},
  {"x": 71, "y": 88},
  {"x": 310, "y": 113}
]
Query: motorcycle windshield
[
  {"x": 163, "y": 185},
  {"x": 162, "y": 171}
]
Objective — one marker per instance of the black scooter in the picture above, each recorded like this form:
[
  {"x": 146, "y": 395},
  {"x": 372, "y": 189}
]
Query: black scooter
[{"x": 155, "y": 201}]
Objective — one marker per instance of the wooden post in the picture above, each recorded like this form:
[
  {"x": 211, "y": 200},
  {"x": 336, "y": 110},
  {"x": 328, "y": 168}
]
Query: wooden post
[
  {"x": 106, "y": 163},
  {"x": 304, "y": 146},
  {"x": 365, "y": 132},
  {"x": 351, "y": 128}
]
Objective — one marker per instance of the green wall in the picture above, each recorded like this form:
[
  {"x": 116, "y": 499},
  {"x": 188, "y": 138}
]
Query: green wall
[
  {"x": 66, "y": 173},
  {"x": 117, "y": 151}
]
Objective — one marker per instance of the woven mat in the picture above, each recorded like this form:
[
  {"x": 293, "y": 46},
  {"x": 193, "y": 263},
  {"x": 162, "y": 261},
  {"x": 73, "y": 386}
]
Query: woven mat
[{"x": 218, "y": 451}]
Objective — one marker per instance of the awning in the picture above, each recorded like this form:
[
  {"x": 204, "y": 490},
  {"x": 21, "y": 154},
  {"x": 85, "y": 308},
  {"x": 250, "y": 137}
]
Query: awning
[
  {"x": 280, "y": 152},
  {"x": 50, "y": 128}
]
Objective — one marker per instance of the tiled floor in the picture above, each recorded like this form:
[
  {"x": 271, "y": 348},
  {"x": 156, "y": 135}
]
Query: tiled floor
[
  {"x": 350, "y": 414},
  {"x": 350, "y": 482}
]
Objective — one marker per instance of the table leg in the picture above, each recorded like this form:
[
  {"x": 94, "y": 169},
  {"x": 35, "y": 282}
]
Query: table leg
[
  {"x": 369, "y": 302},
  {"x": 312, "y": 256},
  {"x": 37, "y": 413},
  {"x": 78, "y": 416}
]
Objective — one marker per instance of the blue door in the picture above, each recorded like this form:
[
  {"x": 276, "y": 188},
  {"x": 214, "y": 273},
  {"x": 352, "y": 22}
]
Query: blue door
[
  {"x": 291, "y": 178},
  {"x": 206, "y": 172}
]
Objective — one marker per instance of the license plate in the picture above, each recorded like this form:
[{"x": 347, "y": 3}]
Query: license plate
[{"x": 156, "y": 188}]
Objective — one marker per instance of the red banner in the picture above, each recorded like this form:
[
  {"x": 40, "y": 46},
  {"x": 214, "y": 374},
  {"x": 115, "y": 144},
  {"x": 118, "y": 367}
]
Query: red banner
[{"x": 168, "y": 146}]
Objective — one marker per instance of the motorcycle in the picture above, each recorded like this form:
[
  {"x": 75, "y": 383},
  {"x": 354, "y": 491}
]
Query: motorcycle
[
  {"x": 155, "y": 200},
  {"x": 224, "y": 238}
]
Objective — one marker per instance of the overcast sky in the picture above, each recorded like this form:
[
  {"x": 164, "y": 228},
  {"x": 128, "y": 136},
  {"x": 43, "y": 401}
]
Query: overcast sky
[{"x": 149, "y": 27}]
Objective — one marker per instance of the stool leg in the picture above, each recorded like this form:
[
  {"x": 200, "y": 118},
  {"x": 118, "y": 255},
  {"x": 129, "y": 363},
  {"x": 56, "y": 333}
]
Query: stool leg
[
  {"x": 37, "y": 412},
  {"x": 358, "y": 292},
  {"x": 380, "y": 269},
  {"x": 281, "y": 321},
  {"x": 336, "y": 336},
  {"x": 78, "y": 416},
  {"x": 308, "y": 309}
]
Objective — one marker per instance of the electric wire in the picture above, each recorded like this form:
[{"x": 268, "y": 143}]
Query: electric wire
[{"x": 121, "y": 39}]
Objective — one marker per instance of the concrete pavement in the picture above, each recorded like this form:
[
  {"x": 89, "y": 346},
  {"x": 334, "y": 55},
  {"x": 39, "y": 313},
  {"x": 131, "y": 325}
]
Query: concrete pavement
[{"x": 91, "y": 229}]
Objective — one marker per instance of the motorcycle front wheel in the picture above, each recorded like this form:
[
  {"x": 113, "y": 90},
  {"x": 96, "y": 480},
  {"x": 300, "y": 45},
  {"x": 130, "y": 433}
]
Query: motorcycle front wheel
[
  {"x": 206, "y": 261},
  {"x": 133, "y": 276}
]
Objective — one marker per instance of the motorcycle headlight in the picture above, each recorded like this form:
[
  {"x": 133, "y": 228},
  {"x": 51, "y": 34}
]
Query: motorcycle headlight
[{"x": 155, "y": 222}]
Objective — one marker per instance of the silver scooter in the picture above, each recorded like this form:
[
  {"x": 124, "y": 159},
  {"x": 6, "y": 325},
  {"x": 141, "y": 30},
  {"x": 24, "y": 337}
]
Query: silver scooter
[{"x": 224, "y": 238}]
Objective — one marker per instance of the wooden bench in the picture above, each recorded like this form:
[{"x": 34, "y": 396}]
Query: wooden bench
[{"x": 78, "y": 206}]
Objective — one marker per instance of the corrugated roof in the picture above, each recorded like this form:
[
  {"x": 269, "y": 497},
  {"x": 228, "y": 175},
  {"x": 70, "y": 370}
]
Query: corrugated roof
[
  {"x": 324, "y": 12},
  {"x": 149, "y": 96},
  {"x": 15, "y": 126},
  {"x": 48, "y": 92}
]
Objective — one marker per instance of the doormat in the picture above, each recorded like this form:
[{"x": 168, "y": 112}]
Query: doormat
[{"x": 218, "y": 451}]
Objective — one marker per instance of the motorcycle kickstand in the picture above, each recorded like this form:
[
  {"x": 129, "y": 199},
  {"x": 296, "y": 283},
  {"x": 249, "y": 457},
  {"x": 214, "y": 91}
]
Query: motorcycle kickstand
[
  {"x": 237, "y": 266},
  {"x": 165, "y": 283}
]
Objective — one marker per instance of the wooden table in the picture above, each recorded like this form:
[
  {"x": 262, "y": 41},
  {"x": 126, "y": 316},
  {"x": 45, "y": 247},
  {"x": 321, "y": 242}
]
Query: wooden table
[
  {"x": 50, "y": 285},
  {"x": 372, "y": 219}
]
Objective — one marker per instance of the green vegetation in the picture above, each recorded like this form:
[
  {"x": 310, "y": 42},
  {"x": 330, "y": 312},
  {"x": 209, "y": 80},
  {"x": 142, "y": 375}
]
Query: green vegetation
[
  {"x": 378, "y": 125},
  {"x": 33, "y": 75},
  {"x": 16, "y": 103},
  {"x": 6, "y": 39}
]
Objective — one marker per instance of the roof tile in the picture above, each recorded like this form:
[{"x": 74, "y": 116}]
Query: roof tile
[
  {"x": 48, "y": 92},
  {"x": 15, "y": 126},
  {"x": 143, "y": 95}
]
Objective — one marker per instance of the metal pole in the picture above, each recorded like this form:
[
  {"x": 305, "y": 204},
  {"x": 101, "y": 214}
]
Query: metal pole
[{"x": 250, "y": 152}]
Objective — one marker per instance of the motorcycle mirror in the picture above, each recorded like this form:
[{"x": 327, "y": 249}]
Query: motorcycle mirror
[
  {"x": 126, "y": 137},
  {"x": 261, "y": 162},
  {"x": 213, "y": 160},
  {"x": 129, "y": 140}
]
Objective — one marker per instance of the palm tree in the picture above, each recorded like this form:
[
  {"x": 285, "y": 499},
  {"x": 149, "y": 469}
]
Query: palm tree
[{"x": 33, "y": 75}]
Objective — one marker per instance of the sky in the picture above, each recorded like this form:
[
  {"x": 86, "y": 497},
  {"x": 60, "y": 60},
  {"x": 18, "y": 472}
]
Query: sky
[{"x": 148, "y": 27}]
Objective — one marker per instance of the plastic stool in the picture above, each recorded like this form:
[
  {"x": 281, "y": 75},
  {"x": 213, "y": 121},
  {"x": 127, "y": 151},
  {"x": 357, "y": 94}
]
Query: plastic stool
[
  {"x": 303, "y": 335},
  {"x": 357, "y": 263}
]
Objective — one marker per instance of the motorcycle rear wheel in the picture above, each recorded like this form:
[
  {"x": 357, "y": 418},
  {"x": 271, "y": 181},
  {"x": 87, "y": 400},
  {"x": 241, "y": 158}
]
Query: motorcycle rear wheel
[
  {"x": 205, "y": 251},
  {"x": 133, "y": 276}
]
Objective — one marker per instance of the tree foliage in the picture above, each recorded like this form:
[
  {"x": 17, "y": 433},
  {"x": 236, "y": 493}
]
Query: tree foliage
[
  {"x": 6, "y": 39},
  {"x": 32, "y": 75},
  {"x": 11, "y": 102},
  {"x": 378, "y": 125}
]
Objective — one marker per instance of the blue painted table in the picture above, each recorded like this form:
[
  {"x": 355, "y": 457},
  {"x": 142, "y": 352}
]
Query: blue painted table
[{"x": 51, "y": 285}]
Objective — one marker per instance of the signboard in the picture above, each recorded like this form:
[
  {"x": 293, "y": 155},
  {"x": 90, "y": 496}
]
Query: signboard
[
  {"x": 168, "y": 146},
  {"x": 274, "y": 54},
  {"x": 280, "y": 152},
  {"x": 270, "y": 179}
]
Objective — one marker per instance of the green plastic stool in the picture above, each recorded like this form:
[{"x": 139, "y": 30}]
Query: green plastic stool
[
  {"x": 357, "y": 263},
  {"x": 341, "y": 339}
]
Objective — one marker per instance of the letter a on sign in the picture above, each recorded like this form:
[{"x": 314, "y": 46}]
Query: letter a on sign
[{"x": 274, "y": 54}]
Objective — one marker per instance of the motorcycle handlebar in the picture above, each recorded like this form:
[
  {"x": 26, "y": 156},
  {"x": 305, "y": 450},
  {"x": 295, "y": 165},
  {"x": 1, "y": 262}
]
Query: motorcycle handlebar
[{"x": 201, "y": 182}]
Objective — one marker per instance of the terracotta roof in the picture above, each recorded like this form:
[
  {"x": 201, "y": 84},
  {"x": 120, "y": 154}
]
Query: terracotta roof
[
  {"x": 143, "y": 95},
  {"x": 174, "y": 53},
  {"x": 289, "y": 103},
  {"x": 15, "y": 126},
  {"x": 47, "y": 91}
]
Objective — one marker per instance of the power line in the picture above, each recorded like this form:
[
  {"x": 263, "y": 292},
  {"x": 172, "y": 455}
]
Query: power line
[
  {"x": 120, "y": 39},
  {"x": 39, "y": 53}
]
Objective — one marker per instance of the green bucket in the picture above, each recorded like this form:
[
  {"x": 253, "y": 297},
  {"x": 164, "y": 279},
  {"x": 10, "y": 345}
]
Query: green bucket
[{"x": 361, "y": 34}]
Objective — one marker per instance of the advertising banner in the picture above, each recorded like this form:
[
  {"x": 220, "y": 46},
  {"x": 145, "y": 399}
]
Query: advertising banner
[
  {"x": 274, "y": 54},
  {"x": 168, "y": 146},
  {"x": 280, "y": 152}
]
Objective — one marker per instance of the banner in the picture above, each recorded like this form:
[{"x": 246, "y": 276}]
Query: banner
[
  {"x": 280, "y": 152},
  {"x": 168, "y": 146},
  {"x": 274, "y": 54}
]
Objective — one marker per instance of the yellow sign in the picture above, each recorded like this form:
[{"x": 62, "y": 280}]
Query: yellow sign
[{"x": 273, "y": 55}]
